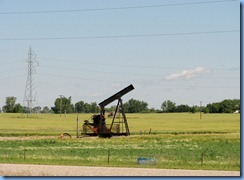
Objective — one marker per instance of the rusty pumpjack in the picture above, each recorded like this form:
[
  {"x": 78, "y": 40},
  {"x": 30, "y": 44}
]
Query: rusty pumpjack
[{"x": 99, "y": 127}]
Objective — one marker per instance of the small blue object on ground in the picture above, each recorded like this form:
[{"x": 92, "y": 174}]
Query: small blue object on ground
[{"x": 146, "y": 161}]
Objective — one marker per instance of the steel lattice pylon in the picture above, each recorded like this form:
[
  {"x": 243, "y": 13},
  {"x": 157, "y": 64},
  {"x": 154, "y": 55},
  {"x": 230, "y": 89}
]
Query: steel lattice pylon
[{"x": 30, "y": 93}]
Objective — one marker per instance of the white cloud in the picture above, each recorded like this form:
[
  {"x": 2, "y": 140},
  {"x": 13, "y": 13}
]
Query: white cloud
[{"x": 188, "y": 74}]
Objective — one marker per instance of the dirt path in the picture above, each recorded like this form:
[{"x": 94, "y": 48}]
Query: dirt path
[{"x": 49, "y": 170}]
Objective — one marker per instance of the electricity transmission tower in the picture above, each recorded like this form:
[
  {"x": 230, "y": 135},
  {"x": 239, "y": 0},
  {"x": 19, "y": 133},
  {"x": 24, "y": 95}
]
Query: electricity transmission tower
[{"x": 30, "y": 93}]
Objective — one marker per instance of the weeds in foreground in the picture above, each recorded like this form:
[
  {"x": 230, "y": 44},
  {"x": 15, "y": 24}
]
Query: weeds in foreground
[{"x": 170, "y": 151}]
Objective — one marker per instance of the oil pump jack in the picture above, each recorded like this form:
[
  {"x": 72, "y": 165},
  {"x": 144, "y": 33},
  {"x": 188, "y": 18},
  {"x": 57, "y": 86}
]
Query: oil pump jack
[{"x": 99, "y": 128}]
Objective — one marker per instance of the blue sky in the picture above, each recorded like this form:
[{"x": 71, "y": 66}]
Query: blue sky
[{"x": 185, "y": 51}]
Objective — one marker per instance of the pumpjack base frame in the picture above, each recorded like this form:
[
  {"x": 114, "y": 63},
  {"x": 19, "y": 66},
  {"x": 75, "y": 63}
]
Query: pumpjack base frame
[{"x": 111, "y": 134}]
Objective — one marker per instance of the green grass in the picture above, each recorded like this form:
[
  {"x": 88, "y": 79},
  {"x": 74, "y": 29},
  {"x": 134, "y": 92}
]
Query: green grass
[
  {"x": 178, "y": 141},
  {"x": 53, "y": 124},
  {"x": 170, "y": 151}
]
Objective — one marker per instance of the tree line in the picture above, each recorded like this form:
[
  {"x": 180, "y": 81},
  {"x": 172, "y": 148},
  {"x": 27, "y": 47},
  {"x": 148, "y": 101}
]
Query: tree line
[
  {"x": 225, "y": 106},
  {"x": 64, "y": 105}
]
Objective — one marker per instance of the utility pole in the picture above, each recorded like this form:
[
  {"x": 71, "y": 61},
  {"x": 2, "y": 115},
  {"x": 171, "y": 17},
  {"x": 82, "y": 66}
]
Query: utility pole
[
  {"x": 200, "y": 109},
  {"x": 77, "y": 126},
  {"x": 30, "y": 87},
  {"x": 60, "y": 106}
]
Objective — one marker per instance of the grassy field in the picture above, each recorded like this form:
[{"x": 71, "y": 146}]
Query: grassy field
[
  {"x": 53, "y": 124},
  {"x": 178, "y": 141}
]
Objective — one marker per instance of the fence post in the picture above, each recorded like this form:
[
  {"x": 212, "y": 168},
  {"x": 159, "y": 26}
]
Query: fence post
[
  {"x": 202, "y": 155},
  {"x": 24, "y": 154},
  {"x": 108, "y": 155}
]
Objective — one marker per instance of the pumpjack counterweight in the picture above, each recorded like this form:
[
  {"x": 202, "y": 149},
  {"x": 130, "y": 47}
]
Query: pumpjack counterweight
[{"x": 99, "y": 128}]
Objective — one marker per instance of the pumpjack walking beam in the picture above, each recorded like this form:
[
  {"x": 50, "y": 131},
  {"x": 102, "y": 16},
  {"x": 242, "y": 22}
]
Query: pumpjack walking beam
[
  {"x": 116, "y": 96},
  {"x": 109, "y": 100}
]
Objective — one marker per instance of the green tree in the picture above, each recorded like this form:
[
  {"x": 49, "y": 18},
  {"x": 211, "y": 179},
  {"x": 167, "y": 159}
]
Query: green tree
[
  {"x": 182, "y": 108},
  {"x": 36, "y": 109},
  {"x": 86, "y": 107},
  {"x": 236, "y": 104},
  {"x": 46, "y": 109},
  {"x": 94, "y": 108},
  {"x": 110, "y": 109},
  {"x": 18, "y": 108},
  {"x": 226, "y": 106},
  {"x": 206, "y": 110},
  {"x": 80, "y": 107},
  {"x": 168, "y": 106},
  {"x": 63, "y": 104},
  {"x": 214, "y": 107},
  {"x": 9, "y": 104},
  {"x": 135, "y": 106}
]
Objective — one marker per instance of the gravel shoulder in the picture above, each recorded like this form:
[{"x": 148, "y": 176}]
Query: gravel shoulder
[{"x": 53, "y": 170}]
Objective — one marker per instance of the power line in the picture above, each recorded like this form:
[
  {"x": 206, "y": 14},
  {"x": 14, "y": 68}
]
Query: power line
[
  {"x": 118, "y": 8},
  {"x": 142, "y": 83},
  {"x": 131, "y": 65},
  {"x": 101, "y": 72},
  {"x": 10, "y": 62},
  {"x": 120, "y": 36},
  {"x": 11, "y": 70},
  {"x": 13, "y": 77},
  {"x": 128, "y": 74}
]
